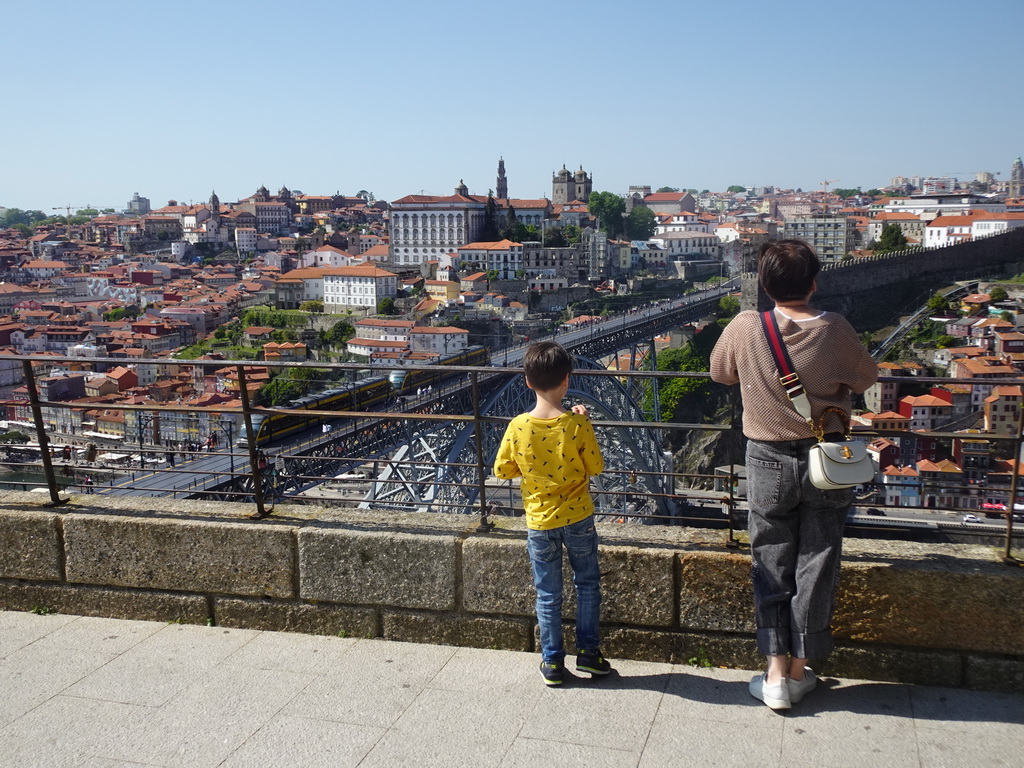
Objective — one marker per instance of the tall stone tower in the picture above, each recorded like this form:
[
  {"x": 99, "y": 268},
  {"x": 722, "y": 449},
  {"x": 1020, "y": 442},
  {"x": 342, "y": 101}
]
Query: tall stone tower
[
  {"x": 566, "y": 186},
  {"x": 215, "y": 207},
  {"x": 584, "y": 185},
  {"x": 1016, "y": 188},
  {"x": 501, "y": 189}
]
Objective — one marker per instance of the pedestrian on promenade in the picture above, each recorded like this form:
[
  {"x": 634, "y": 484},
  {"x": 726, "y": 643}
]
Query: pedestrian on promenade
[
  {"x": 88, "y": 483},
  {"x": 796, "y": 529},
  {"x": 555, "y": 452}
]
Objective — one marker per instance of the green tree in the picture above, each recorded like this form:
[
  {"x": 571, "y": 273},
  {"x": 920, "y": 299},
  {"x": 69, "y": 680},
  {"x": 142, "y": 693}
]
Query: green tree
[
  {"x": 998, "y": 294},
  {"x": 874, "y": 193},
  {"x": 489, "y": 232},
  {"x": 608, "y": 208},
  {"x": 339, "y": 333},
  {"x": 891, "y": 239},
  {"x": 735, "y": 188},
  {"x": 573, "y": 234},
  {"x": 511, "y": 222},
  {"x": 694, "y": 357},
  {"x": 314, "y": 305},
  {"x": 14, "y": 437},
  {"x": 845, "y": 193},
  {"x": 728, "y": 306},
  {"x": 386, "y": 306},
  {"x": 641, "y": 223},
  {"x": 554, "y": 237},
  {"x": 667, "y": 189}
]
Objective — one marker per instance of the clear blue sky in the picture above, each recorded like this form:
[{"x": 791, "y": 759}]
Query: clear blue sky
[{"x": 171, "y": 100}]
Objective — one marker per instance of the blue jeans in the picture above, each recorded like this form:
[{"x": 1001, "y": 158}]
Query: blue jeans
[
  {"x": 796, "y": 542},
  {"x": 545, "y": 548}
]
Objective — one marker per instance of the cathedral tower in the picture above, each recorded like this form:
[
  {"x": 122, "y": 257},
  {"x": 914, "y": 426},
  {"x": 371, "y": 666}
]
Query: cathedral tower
[
  {"x": 215, "y": 207},
  {"x": 501, "y": 190}
]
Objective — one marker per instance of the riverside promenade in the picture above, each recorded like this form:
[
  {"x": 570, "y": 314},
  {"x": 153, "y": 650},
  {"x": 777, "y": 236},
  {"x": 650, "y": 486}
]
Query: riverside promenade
[{"x": 98, "y": 693}]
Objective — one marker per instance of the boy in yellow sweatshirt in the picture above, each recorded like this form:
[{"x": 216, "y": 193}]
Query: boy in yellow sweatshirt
[{"x": 555, "y": 452}]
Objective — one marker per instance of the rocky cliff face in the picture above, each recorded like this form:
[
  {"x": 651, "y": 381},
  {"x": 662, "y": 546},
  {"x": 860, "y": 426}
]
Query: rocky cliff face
[{"x": 698, "y": 451}]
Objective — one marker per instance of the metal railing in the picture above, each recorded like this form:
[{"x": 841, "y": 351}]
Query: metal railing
[{"x": 632, "y": 495}]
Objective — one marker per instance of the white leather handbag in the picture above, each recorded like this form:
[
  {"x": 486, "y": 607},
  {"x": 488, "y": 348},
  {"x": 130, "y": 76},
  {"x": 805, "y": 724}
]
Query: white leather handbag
[
  {"x": 839, "y": 465},
  {"x": 830, "y": 465}
]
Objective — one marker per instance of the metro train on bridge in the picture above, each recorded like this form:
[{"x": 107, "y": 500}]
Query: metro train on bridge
[{"x": 363, "y": 395}]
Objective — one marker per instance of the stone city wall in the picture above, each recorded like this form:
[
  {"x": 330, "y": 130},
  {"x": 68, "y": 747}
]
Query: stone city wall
[
  {"x": 869, "y": 291},
  {"x": 920, "y": 613}
]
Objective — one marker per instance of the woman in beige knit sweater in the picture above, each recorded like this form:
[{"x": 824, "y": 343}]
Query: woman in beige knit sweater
[{"x": 796, "y": 529}]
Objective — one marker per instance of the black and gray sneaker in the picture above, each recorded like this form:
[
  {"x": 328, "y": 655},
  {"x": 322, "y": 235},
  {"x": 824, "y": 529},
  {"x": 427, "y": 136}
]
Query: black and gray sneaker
[
  {"x": 592, "y": 662},
  {"x": 553, "y": 672}
]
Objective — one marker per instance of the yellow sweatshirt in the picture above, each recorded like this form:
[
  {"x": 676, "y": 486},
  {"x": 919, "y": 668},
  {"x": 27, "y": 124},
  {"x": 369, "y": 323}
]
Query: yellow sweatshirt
[{"x": 555, "y": 458}]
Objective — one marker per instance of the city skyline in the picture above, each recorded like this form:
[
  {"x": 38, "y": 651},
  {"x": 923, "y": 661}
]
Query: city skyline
[{"x": 115, "y": 98}]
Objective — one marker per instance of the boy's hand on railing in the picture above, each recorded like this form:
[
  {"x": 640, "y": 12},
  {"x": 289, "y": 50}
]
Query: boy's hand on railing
[{"x": 581, "y": 410}]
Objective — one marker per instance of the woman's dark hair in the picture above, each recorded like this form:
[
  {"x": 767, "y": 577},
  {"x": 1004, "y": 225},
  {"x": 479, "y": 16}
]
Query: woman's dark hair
[
  {"x": 787, "y": 269},
  {"x": 546, "y": 365}
]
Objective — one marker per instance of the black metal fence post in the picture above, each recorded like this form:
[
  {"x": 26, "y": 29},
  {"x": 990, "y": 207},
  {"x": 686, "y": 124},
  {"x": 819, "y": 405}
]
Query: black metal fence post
[
  {"x": 44, "y": 443},
  {"x": 485, "y": 524},
  {"x": 1014, "y": 479},
  {"x": 254, "y": 461}
]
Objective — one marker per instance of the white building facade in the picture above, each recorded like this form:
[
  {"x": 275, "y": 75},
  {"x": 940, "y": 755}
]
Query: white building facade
[
  {"x": 425, "y": 227},
  {"x": 357, "y": 286}
]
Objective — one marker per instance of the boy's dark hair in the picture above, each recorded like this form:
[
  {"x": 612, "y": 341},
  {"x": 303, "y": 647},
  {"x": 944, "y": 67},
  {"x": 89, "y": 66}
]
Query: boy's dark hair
[
  {"x": 546, "y": 365},
  {"x": 787, "y": 269}
]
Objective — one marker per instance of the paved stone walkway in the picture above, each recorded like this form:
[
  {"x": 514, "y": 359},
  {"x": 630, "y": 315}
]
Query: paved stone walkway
[{"x": 79, "y": 691}]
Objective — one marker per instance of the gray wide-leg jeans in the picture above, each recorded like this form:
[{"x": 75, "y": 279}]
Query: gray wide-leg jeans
[{"x": 796, "y": 541}]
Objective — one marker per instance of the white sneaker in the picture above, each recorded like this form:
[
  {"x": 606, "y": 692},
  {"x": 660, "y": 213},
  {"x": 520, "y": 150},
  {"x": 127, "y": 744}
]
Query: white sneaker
[
  {"x": 799, "y": 688},
  {"x": 775, "y": 696}
]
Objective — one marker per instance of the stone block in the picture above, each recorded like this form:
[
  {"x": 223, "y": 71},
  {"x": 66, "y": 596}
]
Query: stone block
[
  {"x": 496, "y": 576},
  {"x": 717, "y": 650},
  {"x": 715, "y": 592},
  {"x": 295, "y": 616},
  {"x": 636, "y": 583},
  {"x": 637, "y": 586},
  {"x": 637, "y": 644},
  {"x": 685, "y": 648},
  {"x": 464, "y": 631},
  {"x": 897, "y": 665},
  {"x": 187, "y": 555},
  {"x": 387, "y": 568},
  {"x": 30, "y": 546},
  {"x": 136, "y": 604},
  {"x": 986, "y": 673},
  {"x": 931, "y": 607}
]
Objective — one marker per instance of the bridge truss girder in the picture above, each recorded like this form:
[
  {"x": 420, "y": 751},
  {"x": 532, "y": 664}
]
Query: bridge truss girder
[{"x": 437, "y": 469}]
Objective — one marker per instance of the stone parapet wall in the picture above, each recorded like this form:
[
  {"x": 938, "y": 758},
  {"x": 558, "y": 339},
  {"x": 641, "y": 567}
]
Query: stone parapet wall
[{"x": 932, "y": 614}]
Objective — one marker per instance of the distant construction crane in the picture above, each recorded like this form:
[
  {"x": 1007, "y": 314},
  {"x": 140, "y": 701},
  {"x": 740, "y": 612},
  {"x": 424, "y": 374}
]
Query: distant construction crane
[
  {"x": 68, "y": 208},
  {"x": 824, "y": 193}
]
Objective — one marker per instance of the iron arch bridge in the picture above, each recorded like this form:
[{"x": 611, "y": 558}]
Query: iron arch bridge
[
  {"x": 408, "y": 454},
  {"x": 438, "y": 470}
]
